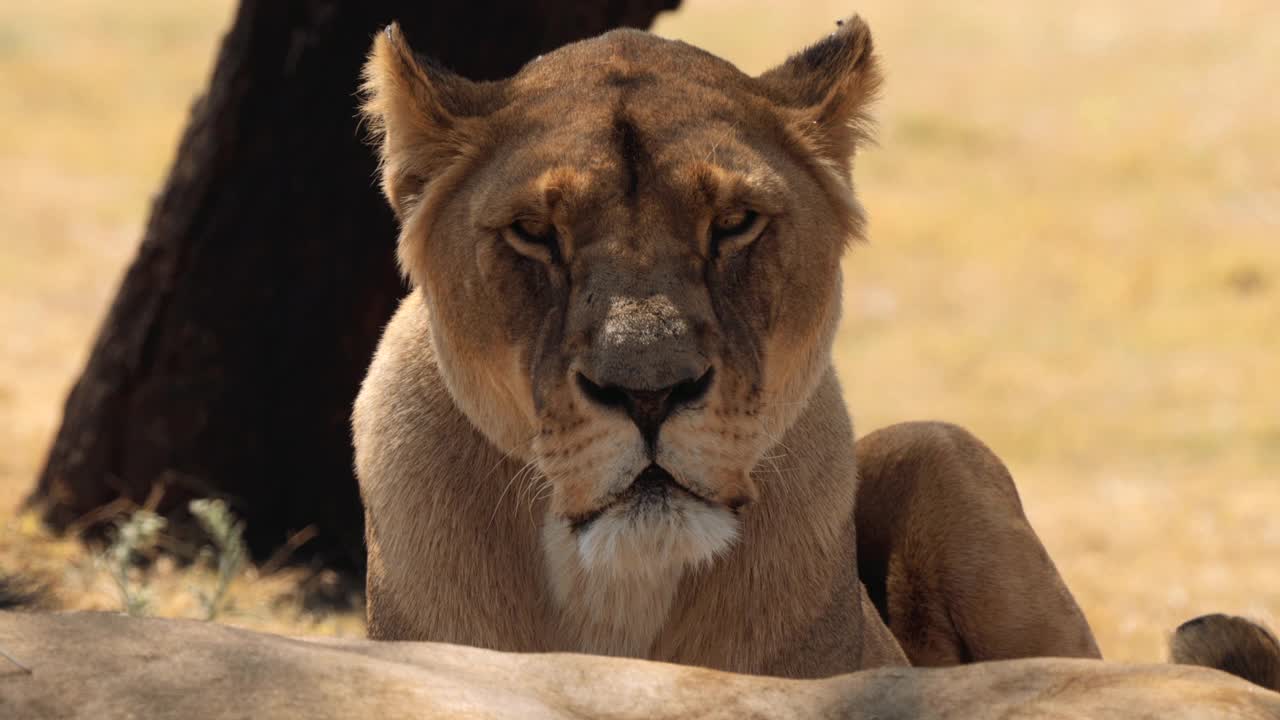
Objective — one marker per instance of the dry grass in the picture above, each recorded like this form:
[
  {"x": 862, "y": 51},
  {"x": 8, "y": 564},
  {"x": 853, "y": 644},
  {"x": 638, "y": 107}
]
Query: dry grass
[{"x": 1076, "y": 252}]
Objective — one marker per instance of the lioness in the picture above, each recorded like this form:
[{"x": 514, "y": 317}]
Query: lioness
[{"x": 606, "y": 420}]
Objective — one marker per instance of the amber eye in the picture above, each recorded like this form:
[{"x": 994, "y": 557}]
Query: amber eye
[
  {"x": 734, "y": 230},
  {"x": 534, "y": 238}
]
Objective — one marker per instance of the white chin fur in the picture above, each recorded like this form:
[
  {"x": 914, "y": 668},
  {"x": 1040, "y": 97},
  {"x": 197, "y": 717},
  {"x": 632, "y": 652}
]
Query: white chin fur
[
  {"x": 646, "y": 541},
  {"x": 614, "y": 581}
]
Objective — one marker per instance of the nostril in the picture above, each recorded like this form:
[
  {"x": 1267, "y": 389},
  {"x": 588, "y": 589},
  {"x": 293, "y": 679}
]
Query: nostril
[
  {"x": 690, "y": 391},
  {"x": 609, "y": 396}
]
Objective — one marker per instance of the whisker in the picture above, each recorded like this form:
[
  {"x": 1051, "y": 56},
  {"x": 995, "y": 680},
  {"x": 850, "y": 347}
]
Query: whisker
[
  {"x": 506, "y": 456},
  {"x": 544, "y": 490},
  {"x": 776, "y": 470},
  {"x": 764, "y": 429},
  {"x": 513, "y": 481},
  {"x": 534, "y": 483}
]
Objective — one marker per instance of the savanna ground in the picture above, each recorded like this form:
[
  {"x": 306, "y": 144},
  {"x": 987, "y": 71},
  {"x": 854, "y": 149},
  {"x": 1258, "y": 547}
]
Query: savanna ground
[{"x": 1075, "y": 252}]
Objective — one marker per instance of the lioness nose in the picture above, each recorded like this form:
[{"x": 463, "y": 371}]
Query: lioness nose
[{"x": 648, "y": 409}]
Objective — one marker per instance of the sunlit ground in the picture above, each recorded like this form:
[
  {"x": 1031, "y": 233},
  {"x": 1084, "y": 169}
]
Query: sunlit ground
[{"x": 1075, "y": 252}]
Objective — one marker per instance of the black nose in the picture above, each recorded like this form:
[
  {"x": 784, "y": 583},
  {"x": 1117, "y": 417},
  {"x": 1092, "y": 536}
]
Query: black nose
[{"x": 648, "y": 409}]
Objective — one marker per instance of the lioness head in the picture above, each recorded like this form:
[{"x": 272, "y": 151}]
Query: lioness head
[{"x": 630, "y": 254}]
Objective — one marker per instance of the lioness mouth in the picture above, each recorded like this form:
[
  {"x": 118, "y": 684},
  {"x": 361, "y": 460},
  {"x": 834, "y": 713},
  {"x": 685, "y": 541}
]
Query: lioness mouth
[{"x": 653, "y": 488}]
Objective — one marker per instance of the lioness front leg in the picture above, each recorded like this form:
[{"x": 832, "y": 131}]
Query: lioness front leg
[{"x": 948, "y": 556}]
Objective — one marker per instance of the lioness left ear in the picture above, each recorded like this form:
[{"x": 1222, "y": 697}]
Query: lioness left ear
[
  {"x": 831, "y": 85},
  {"x": 423, "y": 118}
]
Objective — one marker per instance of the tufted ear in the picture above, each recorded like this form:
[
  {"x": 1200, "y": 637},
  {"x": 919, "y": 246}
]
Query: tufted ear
[
  {"x": 831, "y": 85},
  {"x": 423, "y": 118}
]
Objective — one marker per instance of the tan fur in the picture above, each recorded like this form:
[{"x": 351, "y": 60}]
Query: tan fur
[
  {"x": 109, "y": 665},
  {"x": 557, "y": 228},
  {"x": 1231, "y": 644},
  {"x": 948, "y": 555}
]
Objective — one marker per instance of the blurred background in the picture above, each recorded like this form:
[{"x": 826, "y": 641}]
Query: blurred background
[{"x": 1075, "y": 252}]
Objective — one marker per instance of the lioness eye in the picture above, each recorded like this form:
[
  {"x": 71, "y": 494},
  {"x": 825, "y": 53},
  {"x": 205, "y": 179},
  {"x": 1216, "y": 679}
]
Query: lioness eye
[
  {"x": 534, "y": 238},
  {"x": 732, "y": 223},
  {"x": 733, "y": 230}
]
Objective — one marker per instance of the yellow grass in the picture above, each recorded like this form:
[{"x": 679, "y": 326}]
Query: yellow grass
[{"x": 1075, "y": 252}]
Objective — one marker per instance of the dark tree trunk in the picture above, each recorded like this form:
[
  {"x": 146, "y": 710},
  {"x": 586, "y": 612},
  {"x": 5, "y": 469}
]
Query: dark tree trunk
[{"x": 229, "y": 360}]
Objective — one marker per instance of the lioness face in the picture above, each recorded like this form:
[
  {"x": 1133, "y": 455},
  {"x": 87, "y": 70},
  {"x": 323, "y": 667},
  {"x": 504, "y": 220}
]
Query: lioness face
[{"x": 630, "y": 252}]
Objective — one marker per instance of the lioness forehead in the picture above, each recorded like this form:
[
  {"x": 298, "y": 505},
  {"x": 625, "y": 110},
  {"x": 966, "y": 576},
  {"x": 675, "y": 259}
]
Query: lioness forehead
[
  {"x": 630, "y": 115},
  {"x": 624, "y": 60},
  {"x": 628, "y": 83}
]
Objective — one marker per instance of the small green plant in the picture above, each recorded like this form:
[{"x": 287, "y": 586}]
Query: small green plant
[
  {"x": 139, "y": 533},
  {"x": 227, "y": 533},
  {"x": 135, "y": 534}
]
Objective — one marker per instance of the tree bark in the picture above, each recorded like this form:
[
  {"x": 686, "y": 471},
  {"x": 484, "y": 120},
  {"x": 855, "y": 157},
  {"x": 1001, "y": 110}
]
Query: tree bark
[{"x": 230, "y": 357}]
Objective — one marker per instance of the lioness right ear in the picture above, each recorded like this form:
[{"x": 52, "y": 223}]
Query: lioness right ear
[
  {"x": 830, "y": 85},
  {"x": 421, "y": 116}
]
